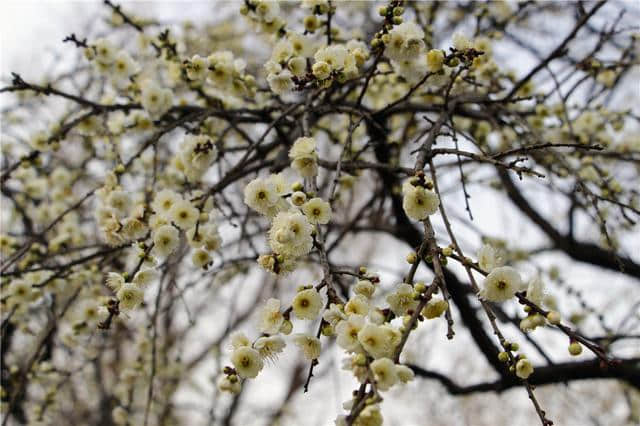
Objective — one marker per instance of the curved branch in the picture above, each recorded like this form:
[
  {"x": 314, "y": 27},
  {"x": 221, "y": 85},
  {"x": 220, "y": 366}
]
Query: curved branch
[
  {"x": 628, "y": 371},
  {"x": 582, "y": 251}
]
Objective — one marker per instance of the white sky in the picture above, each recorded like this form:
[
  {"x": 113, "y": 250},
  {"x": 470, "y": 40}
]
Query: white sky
[{"x": 29, "y": 27}]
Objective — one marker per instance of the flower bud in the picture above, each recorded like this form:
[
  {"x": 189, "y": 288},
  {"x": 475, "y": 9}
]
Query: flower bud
[
  {"x": 327, "y": 330},
  {"x": 286, "y": 327},
  {"x": 298, "y": 198},
  {"x": 538, "y": 320},
  {"x": 89, "y": 53},
  {"x": 575, "y": 348},
  {"x": 553, "y": 317}
]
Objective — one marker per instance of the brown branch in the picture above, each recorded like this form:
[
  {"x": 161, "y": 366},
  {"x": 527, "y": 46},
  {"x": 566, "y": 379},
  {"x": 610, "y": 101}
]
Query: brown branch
[
  {"x": 558, "y": 51},
  {"x": 582, "y": 251},
  {"x": 626, "y": 371}
]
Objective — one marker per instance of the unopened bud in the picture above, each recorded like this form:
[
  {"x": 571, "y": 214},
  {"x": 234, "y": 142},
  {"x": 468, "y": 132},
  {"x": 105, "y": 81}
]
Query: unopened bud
[{"x": 575, "y": 348}]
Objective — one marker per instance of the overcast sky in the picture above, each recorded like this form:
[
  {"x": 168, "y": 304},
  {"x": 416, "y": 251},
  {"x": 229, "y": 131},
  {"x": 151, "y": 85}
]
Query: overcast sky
[{"x": 28, "y": 27}]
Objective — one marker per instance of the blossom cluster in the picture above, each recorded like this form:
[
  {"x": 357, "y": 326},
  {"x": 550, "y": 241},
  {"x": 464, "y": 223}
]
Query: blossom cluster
[{"x": 294, "y": 214}]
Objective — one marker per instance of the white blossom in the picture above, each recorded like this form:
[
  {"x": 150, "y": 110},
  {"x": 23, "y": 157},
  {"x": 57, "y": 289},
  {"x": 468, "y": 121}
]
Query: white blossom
[
  {"x": 524, "y": 368},
  {"x": 317, "y": 211},
  {"x": 269, "y": 347},
  {"x": 261, "y": 195},
  {"x": 347, "y": 332},
  {"x": 309, "y": 345},
  {"x": 307, "y": 304},
  {"x": 184, "y": 214},
  {"x": 402, "y": 300},
  {"x": 419, "y": 202},
  {"x": 130, "y": 296},
  {"x": 247, "y": 362},
  {"x": 501, "y": 284},
  {"x": 271, "y": 318},
  {"x": 406, "y": 41},
  {"x": 379, "y": 340},
  {"x": 155, "y": 100},
  {"x": 290, "y": 234},
  {"x": 384, "y": 371},
  {"x": 166, "y": 240}
]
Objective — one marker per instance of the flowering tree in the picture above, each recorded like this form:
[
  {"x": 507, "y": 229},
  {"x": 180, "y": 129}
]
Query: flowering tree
[{"x": 325, "y": 189}]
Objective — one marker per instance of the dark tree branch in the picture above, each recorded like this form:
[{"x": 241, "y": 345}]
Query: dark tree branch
[
  {"x": 627, "y": 371},
  {"x": 582, "y": 251}
]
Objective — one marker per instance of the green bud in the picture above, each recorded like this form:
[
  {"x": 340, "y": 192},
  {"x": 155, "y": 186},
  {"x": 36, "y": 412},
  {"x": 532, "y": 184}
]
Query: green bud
[
  {"x": 327, "y": 330},
  {"x": 553, "y": 317},
  {"x": 286, "y": 327},
  {"x": 575, "y": 348}
]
